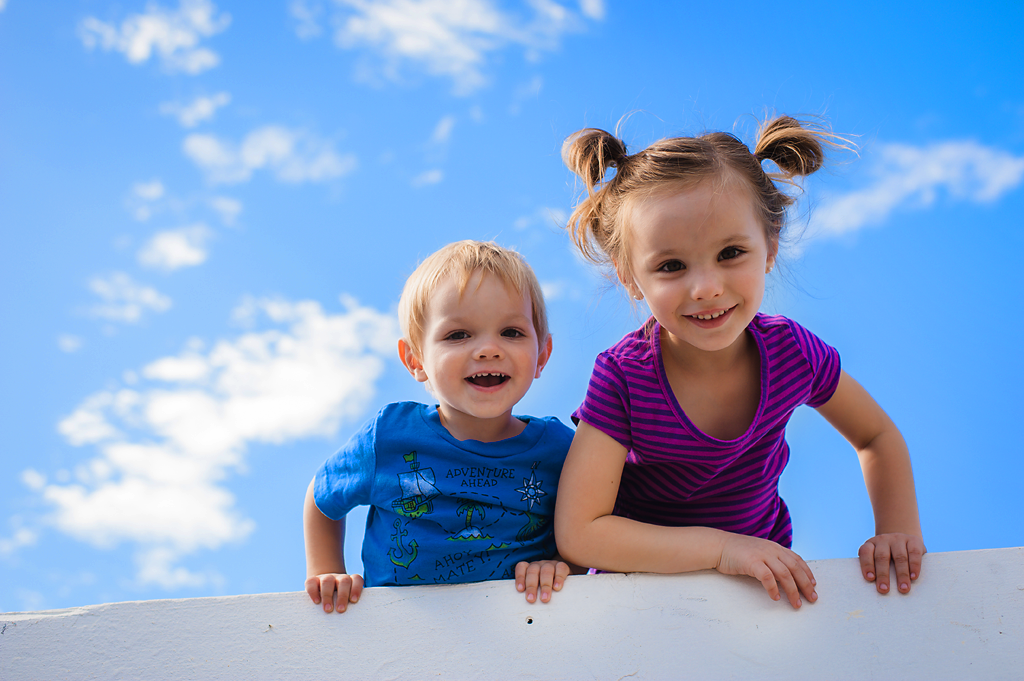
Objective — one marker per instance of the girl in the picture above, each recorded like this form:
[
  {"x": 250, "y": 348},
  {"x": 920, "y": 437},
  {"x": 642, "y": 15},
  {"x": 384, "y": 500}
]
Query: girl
[{"x": 681, "y": 440}]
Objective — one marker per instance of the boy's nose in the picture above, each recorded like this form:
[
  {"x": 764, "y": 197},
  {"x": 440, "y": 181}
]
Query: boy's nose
[{"x": 488, "y": 349}]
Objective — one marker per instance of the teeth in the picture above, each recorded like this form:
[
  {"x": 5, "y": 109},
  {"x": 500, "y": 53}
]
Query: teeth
[
  {"x": 482, "y": 375},
  {"x": 716, "y": 315}
]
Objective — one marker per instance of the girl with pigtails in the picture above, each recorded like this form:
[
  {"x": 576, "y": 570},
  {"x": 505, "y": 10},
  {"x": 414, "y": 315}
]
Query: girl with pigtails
[{"x": 680, "y": 443}]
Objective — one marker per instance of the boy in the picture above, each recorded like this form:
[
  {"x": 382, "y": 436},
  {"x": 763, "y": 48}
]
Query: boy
[{"x": 462, "y": 491}]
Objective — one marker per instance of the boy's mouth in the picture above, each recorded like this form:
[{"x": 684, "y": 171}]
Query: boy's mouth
[{"x": 487, "y": 380}]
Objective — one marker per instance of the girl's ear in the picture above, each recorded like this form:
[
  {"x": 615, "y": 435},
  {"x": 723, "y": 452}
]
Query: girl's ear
[
  {"x": 411, "y": 361},
  {"x": 773, "y": 251},
  {"x": 626, "y": 279}
]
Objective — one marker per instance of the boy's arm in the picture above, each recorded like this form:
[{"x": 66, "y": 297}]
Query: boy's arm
[
  {"x": 326, "y": 579},
  {"x": 885, "y": 462}
]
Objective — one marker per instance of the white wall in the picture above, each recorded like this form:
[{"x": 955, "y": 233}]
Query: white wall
[{"x": 963, "y": 620}]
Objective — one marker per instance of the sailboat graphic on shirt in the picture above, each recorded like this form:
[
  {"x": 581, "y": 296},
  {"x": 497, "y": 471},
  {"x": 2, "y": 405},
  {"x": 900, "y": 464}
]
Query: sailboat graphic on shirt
[{"x": 418, "y": 490}]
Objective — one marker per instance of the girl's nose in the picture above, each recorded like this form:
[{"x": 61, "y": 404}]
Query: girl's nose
[{"x": 705, "y": 283}]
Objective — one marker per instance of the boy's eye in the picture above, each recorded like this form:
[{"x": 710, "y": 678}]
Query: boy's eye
[
  {"x": 457, "y": 336},
  {"x": 671, "y": 266},
  {"x": 513, "y": 333},
  {"x": 729, "y": 252}
]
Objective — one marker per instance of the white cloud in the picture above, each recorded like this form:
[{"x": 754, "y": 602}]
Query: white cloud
[
  {"x": 69, "y": 343},
  {"x": 227, "y": 208},
  {"x": 593, "y": 9},
  {"x": 176, "y": 248},
  {"x": 428, "y": 177},
  {"x": 529, "y": 90},
  {"x": 198, "y": 110},
  {"x": 149, "y": 191},
  {"x": 546, "y": 217},
  {"x": 443, "y": 130},
  {"x": 174, "y": 35},
  {"x": 907, "y": 176},
  {"x": 124, "y": 300},
  {"x": 307, "y": 18},
  {"x": 145, "y": 199},
  {"x": 292, "y": 155},
  {"x": 451, "y": 38},
  {"x": 165, "y": 447}
]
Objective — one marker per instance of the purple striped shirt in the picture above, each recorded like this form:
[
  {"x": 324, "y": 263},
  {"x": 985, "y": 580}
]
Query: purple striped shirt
[{"x": 677, "y": 475}]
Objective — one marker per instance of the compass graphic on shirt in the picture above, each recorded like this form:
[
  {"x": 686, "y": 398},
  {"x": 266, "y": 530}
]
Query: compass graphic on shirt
[{"x": 531, "y": 489}]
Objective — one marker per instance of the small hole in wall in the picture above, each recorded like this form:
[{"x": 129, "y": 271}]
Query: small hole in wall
[{"x": 529, "y": 620}]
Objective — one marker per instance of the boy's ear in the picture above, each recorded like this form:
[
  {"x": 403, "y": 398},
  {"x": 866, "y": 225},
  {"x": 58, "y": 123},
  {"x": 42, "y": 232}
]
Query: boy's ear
[
  {"x": 411, "y": 361},
  {"x": 543, "y": 356}
]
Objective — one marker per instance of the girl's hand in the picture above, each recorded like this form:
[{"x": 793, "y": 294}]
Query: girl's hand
[
  {"x": 549, "y": 575},
  {"x": 904, "y": 550},
  {"x": 334, "y": 588},
  {"x": 771, "y": 564}
]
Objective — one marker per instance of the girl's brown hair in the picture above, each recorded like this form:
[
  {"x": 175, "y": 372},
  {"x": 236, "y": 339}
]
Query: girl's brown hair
[{"x": 598, "y": 225}]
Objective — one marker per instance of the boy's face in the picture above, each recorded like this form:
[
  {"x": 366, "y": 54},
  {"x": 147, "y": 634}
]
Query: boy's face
[{"x": 479, "y": 353}]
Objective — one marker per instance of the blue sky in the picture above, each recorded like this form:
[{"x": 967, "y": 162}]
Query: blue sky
[{"x": 209, "y": 207}]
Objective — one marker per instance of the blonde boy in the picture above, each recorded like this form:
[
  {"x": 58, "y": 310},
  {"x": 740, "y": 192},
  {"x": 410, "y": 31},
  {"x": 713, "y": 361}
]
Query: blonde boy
[{"x": 461, "y": 490}]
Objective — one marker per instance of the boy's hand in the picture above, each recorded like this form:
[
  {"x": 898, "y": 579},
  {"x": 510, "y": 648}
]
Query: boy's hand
[
  {"x": 334, "y": 588},
  {"x": 549, "y": 575},
  {"x": 771, "y": 564},
  {"x": 904, "y": 550}
]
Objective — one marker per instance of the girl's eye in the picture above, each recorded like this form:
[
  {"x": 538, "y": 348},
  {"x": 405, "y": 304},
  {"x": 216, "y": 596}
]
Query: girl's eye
[
  {"x": 513, "y": 333},
  {"x": 729, "y": 252},
  {"x": 457, "y": 336},
  {"x": 671, "y": 266}
]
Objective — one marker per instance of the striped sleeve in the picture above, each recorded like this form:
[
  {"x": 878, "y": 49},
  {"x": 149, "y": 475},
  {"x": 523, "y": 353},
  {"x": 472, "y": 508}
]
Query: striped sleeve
[
  {"x": 824, "y": 361},
  {"x": 606, "y": 405}
]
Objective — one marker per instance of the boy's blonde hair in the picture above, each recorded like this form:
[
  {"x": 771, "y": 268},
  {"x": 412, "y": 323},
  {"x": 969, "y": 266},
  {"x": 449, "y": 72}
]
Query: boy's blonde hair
[{"x": 460, "y": 260}]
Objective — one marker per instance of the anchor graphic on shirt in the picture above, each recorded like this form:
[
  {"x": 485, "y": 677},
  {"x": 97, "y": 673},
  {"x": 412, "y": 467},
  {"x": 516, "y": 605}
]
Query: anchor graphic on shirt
[{"x": 408, "y": 554}]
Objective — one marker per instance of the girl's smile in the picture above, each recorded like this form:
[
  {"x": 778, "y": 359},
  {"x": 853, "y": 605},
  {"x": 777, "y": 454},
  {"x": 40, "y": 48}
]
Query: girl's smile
[{"x": 699, "y": 258}]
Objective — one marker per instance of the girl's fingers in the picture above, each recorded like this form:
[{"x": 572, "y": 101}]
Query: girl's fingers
[
  {"x": 867, "y": 561},
  {"x": 764, "y": 575},
  {"x": 882, "y": 559},
  {"x": 916, "y": 551}
]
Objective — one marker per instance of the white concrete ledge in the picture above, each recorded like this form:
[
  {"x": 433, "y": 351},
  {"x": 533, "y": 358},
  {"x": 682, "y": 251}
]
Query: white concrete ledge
[{"x": 963, "y": 620}]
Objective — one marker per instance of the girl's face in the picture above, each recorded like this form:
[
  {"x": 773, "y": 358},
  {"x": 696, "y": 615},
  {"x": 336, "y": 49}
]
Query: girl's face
[{"x": 699, "y": 257}]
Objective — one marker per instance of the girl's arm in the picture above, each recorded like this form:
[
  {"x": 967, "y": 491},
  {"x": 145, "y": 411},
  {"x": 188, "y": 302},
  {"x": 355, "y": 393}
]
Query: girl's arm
[
  {"x": 588, "y": 534},
  {"x": 885, "y": 461},
  {"x": 326, "y": 579}
]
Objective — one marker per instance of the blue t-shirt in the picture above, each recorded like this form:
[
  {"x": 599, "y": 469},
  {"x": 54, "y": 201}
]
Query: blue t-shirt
[{"x": 443, "y": 510}]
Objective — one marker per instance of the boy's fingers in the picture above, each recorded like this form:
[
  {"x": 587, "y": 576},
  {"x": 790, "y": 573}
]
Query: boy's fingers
[
  {"x": 562, "y": 570},
  {"x": 357, "y": 588},
  {"x": 327, "y": 592},
  {"x": 547, "y": 578},
  {"x": 867, "y": 560},
  {"x": 521, "y": 567}
]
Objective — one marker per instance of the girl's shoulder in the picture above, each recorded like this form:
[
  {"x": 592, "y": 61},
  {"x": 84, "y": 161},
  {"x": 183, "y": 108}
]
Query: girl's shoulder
[{"x": 635, "y": 346}]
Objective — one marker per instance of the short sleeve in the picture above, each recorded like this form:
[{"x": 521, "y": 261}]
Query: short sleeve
[
  {"x": 825, "y": 365},
  {"x": 606, "y": 405},
  {"x": 346, "y": 478}
]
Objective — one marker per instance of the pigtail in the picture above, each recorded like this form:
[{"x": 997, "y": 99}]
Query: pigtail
[
  {"x": 797, "y": 148},
  {"x": 590, "y": 153}
]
